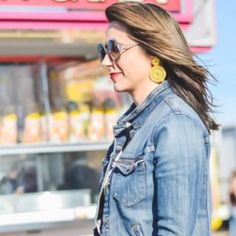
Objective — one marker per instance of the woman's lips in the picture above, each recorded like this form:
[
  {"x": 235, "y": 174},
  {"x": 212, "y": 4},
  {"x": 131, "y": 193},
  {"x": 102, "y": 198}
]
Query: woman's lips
[{"x": 114, "y": 75}]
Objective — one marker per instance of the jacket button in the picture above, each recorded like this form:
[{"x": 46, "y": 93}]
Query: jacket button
[{"x": 106, "y": 222}]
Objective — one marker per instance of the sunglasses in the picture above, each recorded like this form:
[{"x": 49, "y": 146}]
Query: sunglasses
[{"x": 113, "y": 49}]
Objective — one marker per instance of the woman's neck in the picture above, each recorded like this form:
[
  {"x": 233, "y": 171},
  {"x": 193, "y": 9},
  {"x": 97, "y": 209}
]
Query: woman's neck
[{"x": 140, "y": 95}]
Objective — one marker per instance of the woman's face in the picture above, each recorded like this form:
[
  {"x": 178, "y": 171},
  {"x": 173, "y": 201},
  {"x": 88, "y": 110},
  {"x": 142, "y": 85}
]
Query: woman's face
[{"x": 130, "y": 72}]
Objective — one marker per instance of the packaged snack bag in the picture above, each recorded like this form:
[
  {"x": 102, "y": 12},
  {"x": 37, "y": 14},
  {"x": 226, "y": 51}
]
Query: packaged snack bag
[
  {"x": 32, "y": 128},
  {"x": 76, "y": 122},
  {"x": 77, "y": 129},
  {"x": 85, "y": 118},
  {"x": 110, "y": 120},
  {"x": 96, "y": 128},
  {"x": 9, "y": 129},
  {"x": 59, "y": 127},
  {"x": 110, "y": 117},
  {"x": 45, "y": 127}
]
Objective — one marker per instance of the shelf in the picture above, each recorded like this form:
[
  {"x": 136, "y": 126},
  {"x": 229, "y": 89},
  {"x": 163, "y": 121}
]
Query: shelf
[
  {"x": 53, "y": 148},
  {"x": 30, "y": 221},
  {"x": 29, "y": 47},
  {"x": 45, "y": 209}
]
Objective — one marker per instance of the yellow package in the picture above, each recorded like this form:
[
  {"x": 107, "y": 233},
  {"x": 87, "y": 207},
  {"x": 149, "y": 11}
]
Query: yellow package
[
  {"x": 77, "y": 126},
  {"x": 32, "y": 128},
  {"x": 110, "y": 120},
  {"x": 9, "y": 129},
  {"x": 59, "y": 127},
  {"x": 96, "y": 128}
]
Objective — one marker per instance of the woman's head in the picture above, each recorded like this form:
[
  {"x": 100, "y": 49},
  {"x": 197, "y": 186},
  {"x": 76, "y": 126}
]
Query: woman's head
[
  {"x": 152, "y": 27},
  {"x": 157, "y": 34},
  {"x": 127, "y": 62}
]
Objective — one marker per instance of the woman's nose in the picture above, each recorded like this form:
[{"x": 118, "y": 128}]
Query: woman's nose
[{"x": 107, "y": 62}]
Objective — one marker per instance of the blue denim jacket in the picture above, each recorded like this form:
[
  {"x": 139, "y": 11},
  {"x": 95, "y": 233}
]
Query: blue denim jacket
[{"x": 160, "y": 184}]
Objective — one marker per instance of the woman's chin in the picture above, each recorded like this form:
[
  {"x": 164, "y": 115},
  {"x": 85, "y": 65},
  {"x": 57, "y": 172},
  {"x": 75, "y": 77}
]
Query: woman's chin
[{"x": 119, "y": 89}]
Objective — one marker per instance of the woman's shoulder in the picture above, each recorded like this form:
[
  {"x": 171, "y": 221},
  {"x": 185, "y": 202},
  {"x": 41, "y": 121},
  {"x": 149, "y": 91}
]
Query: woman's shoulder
[{"x": 178, "y": 110}]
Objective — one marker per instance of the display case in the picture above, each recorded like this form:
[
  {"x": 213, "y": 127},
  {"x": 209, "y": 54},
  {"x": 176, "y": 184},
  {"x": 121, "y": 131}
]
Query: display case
[
  {"x": 56, "y": 118},
  {"x": 57, "y": 108}
]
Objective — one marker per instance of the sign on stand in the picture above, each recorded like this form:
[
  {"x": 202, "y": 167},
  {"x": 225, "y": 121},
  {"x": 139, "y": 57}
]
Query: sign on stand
[
  {"x": 196, "y": 17},
  {"x": 171, "y": 5}
]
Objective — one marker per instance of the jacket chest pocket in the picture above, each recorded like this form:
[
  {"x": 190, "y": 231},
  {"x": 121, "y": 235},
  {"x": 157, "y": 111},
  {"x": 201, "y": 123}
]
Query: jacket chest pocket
[{"x": 129, "y": 180}]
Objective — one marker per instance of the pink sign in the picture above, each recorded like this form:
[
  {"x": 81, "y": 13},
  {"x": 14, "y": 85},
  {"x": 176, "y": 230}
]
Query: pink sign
[
  {"x": 181, "y": 10},
  {"x": 170, "y": 5}
]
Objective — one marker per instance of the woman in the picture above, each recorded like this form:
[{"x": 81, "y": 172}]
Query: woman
[{"x": 156, "y": 173}]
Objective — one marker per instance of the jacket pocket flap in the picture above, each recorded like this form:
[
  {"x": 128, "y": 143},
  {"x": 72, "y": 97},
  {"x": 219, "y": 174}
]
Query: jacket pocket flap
[{"x": 127, "y": 166}]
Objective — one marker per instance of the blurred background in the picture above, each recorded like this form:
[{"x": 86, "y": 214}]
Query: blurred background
[
  {"x": 221, "y": 62},
  {"x": 57, "y": 109}
]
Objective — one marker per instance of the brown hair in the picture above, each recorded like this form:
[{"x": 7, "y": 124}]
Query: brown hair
[{"x": 159, "y": 35}]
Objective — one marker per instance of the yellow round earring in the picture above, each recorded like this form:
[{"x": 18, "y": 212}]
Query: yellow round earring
[{"x": 157, "y": 73}]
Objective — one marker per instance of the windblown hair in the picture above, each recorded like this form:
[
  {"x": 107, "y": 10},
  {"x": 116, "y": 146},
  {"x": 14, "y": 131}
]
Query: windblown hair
[{"x": 158, "y": 33}]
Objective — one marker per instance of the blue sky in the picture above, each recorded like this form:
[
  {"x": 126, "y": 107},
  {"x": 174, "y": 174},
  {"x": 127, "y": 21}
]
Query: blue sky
[{"x": 221, "y": 61}]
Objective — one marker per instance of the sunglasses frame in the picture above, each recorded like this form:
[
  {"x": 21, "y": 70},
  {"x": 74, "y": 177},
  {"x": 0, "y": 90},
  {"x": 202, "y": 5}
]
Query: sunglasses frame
[{"x": 113, "y": 49}]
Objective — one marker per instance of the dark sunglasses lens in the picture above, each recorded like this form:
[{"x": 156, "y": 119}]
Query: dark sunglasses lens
[
  {"x": 101, "y": 52},
  {"x": 113, "y": 49}
]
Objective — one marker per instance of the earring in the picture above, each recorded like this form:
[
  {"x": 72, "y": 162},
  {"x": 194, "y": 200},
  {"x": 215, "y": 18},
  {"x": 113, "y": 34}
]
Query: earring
[{"x": 157, "y": 73}]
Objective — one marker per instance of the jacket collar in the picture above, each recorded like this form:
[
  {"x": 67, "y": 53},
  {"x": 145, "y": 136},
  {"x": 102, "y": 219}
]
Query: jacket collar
[{"x": 136, "y": 115}]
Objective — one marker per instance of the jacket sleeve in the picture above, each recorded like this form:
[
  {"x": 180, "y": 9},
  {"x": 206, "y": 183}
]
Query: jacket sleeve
[{"x": 181, "y": 177}]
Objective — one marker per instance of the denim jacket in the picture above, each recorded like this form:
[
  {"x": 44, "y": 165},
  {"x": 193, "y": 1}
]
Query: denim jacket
[{"x": 160, "y": 184}]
